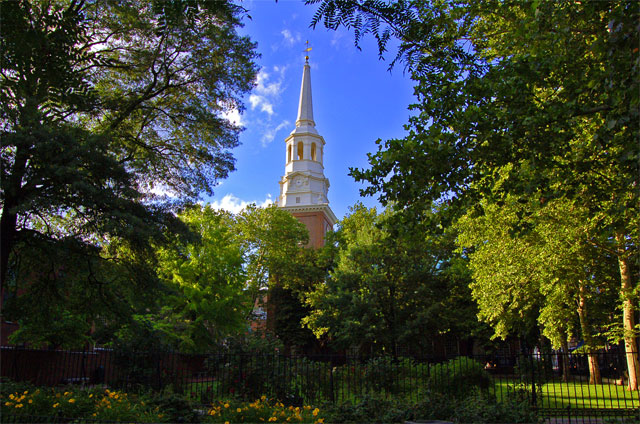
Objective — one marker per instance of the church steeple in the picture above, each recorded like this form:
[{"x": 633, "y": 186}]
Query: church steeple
[
  {"x": 305, "y": 106},
  {"x": 304, "y": 188}
]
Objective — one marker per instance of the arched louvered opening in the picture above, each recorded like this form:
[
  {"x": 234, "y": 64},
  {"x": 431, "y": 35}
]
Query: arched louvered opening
[
  {"x": 300, "y": 150},
  {"x": 313, "y": 151},
  {"x": 289, "y": 153}
]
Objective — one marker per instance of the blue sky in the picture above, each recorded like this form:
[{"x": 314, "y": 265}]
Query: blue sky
[{"x": 356, "y": 100}]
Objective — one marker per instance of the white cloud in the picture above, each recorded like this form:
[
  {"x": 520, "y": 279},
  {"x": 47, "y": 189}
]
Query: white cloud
[
  {"x": 290, "y": 38},
  {"x": 233, "y": 204},
  {"x": 233, "y": 116},
  {"x": 262, "y": 102},
  {"x": 271, "y": 132},
  {"x": 162, "y": 190},
  {"x": 340, "y": 41},
  {"x": 267, "y": 91}
]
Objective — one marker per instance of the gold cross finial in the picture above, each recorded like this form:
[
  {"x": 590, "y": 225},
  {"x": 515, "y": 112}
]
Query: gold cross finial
[{"x": 307, "y": 50}]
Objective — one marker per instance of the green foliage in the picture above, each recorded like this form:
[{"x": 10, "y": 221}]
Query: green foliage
[
  {"x": 387, "y": 374},
  {"x": 205, "y": 298},
  {"x": 458, "y": 377},
  {"x": 101, "y": 103},
  {"x": 369, "y": 409},
  {"x": 474, "y": 408},
  {"x": 536, "y": 264},
  {"x": 175, "y": 408},
  {"x": 496, "y": 116},
  {"x": 392, "y": 284},
  {"x": 26, "y": 403},
  {"x": 262, "y": 410},
  {"x": 252, "y": 343},
  {"x": 531, "y": 369}
]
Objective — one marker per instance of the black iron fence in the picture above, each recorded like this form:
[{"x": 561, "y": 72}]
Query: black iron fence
[{"x": 572, "y": 385}]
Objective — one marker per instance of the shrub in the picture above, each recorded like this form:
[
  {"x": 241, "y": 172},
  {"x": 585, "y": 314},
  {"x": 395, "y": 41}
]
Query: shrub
[
  {"x": 481, "y": 408},
  {"x": 262, "y": 410},
  {"x": 387, "y": 373},
  {"x": 31, "y": 404},
  {"x": 538, "y": 369},
  {"x": 373, "y": 408},
  {"x": 458, "y": 377}
]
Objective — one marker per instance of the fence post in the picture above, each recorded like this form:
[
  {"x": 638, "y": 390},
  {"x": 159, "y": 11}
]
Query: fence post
[
  {"x": 533, "y": 381},
  {"x": 331, "y": 387}
]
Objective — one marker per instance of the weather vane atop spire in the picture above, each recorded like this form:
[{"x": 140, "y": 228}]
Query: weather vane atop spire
[{"x": 307, "y": 50}]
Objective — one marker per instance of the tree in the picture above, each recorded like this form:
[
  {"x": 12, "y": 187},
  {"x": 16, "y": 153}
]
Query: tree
[
  {"x": 101, "y": 102},
  {"x": 104, "y": 101},
  {"x": 539, "y": 267},
  {"x": 205, "y": 298},
  {"x": 494, "y": 105},
  {"x": 390, "y": 286},
  {"x": 270, "y": 240}
]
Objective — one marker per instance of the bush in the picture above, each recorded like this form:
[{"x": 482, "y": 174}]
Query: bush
[
  {"x": 458, "y": 377},
  {"x": 538, "y": 369},
  {"x": 25, "y": 403},
  {"x": 262, "y": 410},
  {"x": 369, "y": 409},
  {"x": 485, "y": 409},
  {"x": 387, "y": 373}
]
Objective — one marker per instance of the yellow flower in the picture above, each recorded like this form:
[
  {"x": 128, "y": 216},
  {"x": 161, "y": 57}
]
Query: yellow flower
[
  {"x": 320, "y": 421},
  {"x": 19, "y": 405},
  {"x": 226, "y": 405},
  {"x": 55, "y": 405},
  {"x": 315, "y": 412},
  {"x": 66, "y": 393},
  {"x": 72, "y": 400},
  {"x": 91, "y": 395},
  {"x": 307, "y": 407},
  {"x": 272, "y": 419},
  {"x": 8, "y": 403},
  {"x": 226, "y": 422},
  {"x": 238, "y": 410},
  {"x": 11, "y": 396},
  {"x": 30, "y": 400},
  {"x": 263, "y": 398}
]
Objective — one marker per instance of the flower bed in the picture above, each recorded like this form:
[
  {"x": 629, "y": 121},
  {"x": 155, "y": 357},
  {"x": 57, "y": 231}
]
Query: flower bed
[
  {"x": 262, "y": 410},
  {"x": 99, "y": 404}
]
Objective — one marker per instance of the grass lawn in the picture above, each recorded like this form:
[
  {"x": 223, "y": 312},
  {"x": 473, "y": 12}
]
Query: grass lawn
[{"x": 577, "y": 395}]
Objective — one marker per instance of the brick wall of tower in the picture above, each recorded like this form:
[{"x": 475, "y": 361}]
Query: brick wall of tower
[{"x": 317, "y": 224}]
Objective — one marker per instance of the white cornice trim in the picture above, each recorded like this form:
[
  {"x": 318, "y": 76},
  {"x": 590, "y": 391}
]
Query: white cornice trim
[{"x": 314, "y": 208}]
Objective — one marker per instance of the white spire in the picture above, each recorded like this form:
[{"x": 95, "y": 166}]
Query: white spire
[
  {"x": 305, "y": 107},
  {"x": 304, "y": 187}
]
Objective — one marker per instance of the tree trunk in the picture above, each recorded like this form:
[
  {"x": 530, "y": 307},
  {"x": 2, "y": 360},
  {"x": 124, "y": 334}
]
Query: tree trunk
[
  {"x": 592, "y": 357},
  {"x": 12, "y": 188},
  {"x": 628, "y": 315},
  {"x": 564, "y": 358}
]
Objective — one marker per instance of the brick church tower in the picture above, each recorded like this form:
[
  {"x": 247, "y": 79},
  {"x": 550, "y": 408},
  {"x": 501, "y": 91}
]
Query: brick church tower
[{"x": 304, "y": 188}]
